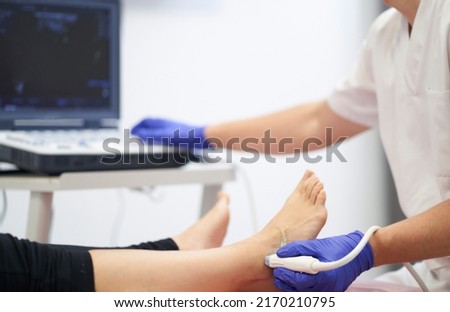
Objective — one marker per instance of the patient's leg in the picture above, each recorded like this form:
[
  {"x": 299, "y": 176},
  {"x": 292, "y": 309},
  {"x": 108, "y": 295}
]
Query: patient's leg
[{"x": 232, "y": 268}]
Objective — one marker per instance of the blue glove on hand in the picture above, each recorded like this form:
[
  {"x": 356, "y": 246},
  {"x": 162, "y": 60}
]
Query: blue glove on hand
[
  {"x": 171, "y": 133},
  {"x": 325, "y": 250}
]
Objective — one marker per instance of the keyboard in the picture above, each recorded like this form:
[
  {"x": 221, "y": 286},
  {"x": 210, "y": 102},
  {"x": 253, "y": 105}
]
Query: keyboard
[{"x": 63, "y": 139}]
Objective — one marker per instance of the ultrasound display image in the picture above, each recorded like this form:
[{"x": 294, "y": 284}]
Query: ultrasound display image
[{"x": 54, "y": 57}]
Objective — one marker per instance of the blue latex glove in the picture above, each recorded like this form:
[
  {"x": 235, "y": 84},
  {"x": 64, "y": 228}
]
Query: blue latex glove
[
  {"x": 171, "y": 133},
  {"x": 325, "y": 250}
]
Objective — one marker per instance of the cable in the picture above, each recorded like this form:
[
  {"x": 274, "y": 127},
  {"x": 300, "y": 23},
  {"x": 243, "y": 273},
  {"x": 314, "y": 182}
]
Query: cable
[
  {"x": 326, "y": 266},
  {"x": 4, "y": 200},
  {"x": 4, "y": 207},
  {"x": 416, "y": 276},
  {"x": 251, "y": 200},
  {"x": 311, "y": 265},
  {"x": 118, "y": 219}
]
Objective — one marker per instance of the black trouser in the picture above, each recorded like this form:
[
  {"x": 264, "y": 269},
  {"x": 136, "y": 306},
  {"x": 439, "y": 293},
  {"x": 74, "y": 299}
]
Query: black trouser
[{"x": 29, "y": 266}]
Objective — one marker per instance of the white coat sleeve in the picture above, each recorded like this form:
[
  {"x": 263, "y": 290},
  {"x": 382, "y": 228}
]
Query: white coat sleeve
[{"x": 354, "y": 98}]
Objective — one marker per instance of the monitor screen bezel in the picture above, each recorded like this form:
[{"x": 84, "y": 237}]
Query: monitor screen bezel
[{"x": 91, "y": 118}]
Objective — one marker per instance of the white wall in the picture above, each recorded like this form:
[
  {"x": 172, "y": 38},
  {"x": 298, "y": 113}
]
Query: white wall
[{"x": 207, "y": 61}]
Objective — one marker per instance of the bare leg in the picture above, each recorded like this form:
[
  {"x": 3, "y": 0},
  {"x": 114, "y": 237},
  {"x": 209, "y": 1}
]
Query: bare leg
[
  {"x": 232, "y": 268},
  {"x": 210, "y": 230}
]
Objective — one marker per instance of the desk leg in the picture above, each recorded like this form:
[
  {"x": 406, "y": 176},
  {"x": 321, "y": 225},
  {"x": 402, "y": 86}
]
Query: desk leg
[
  {"x": 209, "y": 197},
  {"x": 39, "y": 216}
]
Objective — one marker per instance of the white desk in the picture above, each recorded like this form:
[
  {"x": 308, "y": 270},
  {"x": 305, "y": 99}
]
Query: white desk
[{"x": 42, "y": 188}]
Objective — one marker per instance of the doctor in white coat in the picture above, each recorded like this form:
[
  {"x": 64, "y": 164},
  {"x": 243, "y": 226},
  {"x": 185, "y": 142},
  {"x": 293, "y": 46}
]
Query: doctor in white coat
[{"x": 400, "y": 84}]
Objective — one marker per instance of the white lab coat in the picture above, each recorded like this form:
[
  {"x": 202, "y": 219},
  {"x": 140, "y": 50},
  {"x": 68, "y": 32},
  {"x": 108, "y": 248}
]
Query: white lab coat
[{"x": 401, "y": 84}]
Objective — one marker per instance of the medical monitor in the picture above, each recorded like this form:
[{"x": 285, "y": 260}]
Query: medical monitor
[{"x": 59, "y": 61}]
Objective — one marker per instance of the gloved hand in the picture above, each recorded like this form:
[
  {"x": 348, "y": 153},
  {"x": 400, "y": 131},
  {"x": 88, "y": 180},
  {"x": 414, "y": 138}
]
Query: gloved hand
[
  {"x": 171, "y": 133},
  {"x": 325, "y": 250}
]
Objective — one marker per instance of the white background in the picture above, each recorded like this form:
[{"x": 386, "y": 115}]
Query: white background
[{"x": 208, "y": 61}]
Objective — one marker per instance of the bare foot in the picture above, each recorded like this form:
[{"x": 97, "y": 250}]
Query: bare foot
[
  {"x": 210, "y": 230},
  {"x": 302, "y": 217},
  {"x": 303, "y": 214}
]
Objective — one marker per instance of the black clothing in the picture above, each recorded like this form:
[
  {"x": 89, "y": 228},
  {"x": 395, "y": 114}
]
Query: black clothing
[{"x": 30, "y": 266}]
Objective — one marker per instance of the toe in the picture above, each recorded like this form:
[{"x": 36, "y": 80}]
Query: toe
[
  {"x": 315, "y": 192},
  {"x": 321, "y": 198},
  {"x": 301, "y": 187},
  {"x": 221, "y": 195},
  {"x": 311, "y": 183},
  {"x": 307, "y": 174},
  {"x": 305, "y": 181},
  {"x": 223, "y": 198}
]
